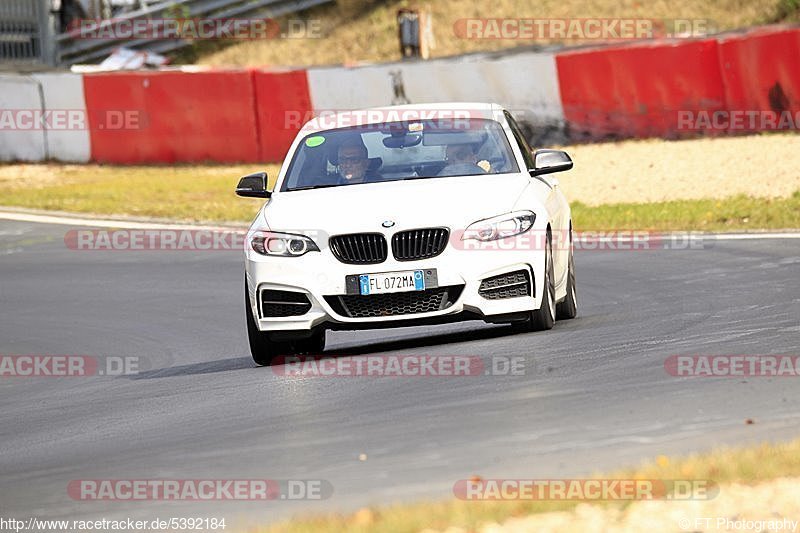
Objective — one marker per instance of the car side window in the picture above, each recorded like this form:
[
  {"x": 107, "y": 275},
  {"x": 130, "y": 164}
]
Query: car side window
[{"x": 522, "y": 142}]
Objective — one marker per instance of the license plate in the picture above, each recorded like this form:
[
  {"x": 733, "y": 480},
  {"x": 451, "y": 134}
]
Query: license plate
[{"x": 408, "y": 280}]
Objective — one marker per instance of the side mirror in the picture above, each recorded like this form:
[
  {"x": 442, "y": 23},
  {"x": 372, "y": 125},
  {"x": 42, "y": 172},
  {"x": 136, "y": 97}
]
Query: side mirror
[
  {"x": 550, "y": 161},
  {"x": 253, "y": 186}
]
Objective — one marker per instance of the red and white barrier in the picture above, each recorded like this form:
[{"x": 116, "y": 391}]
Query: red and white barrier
[
  {"x": 21, "y": 138},
  {"x": 283, "y": 105},
  {"x": 167, "y": 117},
  {"x": 761, "y": 71},
  {"x": 526, "y": 83},
  {"x": 64, "y": 91},
  {"x": 637, "y": 90}
]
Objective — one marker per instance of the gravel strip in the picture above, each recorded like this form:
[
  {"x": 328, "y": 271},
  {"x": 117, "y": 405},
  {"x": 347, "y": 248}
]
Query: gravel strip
[{"x": 656, "y": 170}]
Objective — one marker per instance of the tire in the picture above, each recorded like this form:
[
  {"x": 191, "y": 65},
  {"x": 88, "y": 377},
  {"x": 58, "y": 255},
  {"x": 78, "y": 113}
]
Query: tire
[
  {"x": 313, "y": 345},
  {"x": 545, "y": 317},
  {"x": 264, "y": 349},
  {"x": 569, "y": 307}
]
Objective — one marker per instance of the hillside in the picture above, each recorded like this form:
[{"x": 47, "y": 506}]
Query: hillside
[{"x": 366, "y": 30}]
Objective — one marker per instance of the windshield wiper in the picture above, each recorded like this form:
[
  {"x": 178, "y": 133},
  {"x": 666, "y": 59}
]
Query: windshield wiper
[{"x": 309, "y": 187}]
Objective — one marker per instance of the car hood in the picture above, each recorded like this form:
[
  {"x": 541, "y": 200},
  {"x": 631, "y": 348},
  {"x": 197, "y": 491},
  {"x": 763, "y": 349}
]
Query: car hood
[{"x": 454, "y": 202}]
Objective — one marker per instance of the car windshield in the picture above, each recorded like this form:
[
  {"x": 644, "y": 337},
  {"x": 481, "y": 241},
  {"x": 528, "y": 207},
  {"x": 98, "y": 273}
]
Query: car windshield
[{"x": 400, "y": 151}]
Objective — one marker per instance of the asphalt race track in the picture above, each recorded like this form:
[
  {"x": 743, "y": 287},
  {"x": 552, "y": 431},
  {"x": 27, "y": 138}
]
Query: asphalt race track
[{"x": 594, "y": 395}]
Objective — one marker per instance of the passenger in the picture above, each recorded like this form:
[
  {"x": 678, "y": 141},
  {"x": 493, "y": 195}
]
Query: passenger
[{"x": 462, "y": 161}]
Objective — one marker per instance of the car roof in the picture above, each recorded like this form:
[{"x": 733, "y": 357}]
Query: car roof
[{"x": 376, "y": 115}]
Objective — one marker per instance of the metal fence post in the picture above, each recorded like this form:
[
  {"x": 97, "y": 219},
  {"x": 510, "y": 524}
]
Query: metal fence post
[{"x": 47, "y": 36}]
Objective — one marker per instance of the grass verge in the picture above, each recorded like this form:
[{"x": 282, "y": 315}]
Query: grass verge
[
  {"x": 750, "y": 465},
  {"x": 182, "y": 192},
  {"x": 205, "y": 194},
  {"x": 734, "y": 213}
]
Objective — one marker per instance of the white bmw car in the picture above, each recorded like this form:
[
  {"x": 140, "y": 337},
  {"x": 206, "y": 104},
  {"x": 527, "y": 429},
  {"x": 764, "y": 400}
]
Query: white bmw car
[{"x": 403, "y": 216}]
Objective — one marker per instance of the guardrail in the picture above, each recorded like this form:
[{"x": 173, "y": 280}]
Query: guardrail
[{"x": 73, "y": 49}]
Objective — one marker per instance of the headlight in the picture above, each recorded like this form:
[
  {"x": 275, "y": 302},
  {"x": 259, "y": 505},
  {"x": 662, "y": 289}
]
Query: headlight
[
  {"x": 281, "y": 244},
  {"x": 500, "y": 227}
]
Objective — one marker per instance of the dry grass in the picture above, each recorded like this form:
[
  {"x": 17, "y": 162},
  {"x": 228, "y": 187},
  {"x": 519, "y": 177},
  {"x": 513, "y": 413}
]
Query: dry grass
[
  {"x": 366, "y": 30},
  {"x": 182, "y": 192},
  {"x": 735, "y": 470}
]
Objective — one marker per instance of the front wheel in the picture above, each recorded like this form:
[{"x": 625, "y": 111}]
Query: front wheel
[
  {"x": 263, "y": 346},
  {"x": 544, "y": 317},
  {"x": 569, "y": 307}
]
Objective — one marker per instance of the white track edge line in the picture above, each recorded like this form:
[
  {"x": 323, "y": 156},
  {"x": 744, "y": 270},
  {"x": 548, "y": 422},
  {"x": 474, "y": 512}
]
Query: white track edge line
[{"x": 105, "y": 223}]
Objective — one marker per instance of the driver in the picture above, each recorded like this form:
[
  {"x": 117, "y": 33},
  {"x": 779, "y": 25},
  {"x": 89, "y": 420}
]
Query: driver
[{"x": 353, "y": 164}]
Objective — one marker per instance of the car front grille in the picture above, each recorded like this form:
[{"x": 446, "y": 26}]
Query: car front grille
[
  {"x": 359, "y": 248},
  {"x": 395, "y": 304},
  {"x": 419, "y": 243},
  {"x": 511, "y": 285},
  {"x": 283, "y": 303}
]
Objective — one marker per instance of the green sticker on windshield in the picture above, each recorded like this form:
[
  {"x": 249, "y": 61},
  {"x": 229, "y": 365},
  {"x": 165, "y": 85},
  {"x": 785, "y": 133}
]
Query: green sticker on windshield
[{"x": 313, "y": 142}]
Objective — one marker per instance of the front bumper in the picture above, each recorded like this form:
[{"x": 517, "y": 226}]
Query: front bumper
[{"x": 318, "y": 275}]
